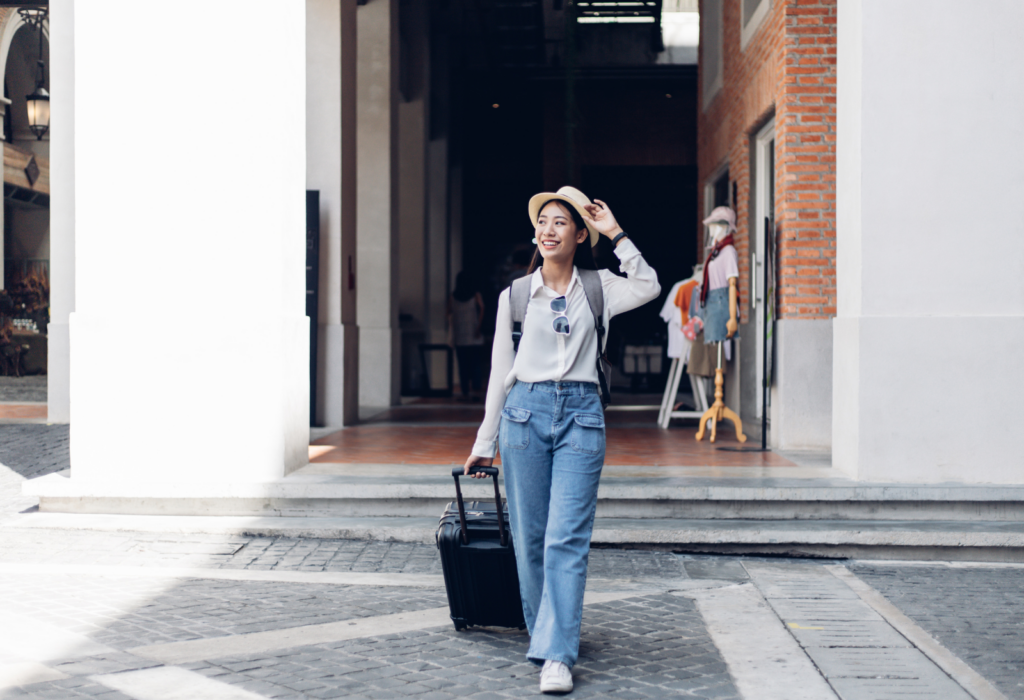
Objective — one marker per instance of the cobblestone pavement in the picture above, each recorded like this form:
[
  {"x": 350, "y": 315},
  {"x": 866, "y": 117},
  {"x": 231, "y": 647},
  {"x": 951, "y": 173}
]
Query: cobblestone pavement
[
  {"x": 32, "y": 450},
  {"x": 61, "y": 630},
  {"x": 977, "y": 613},
  {"x": 146, "y": 611},
  {"x": 644, "y": 647},
  {"x": 289, "y": 554},
  {"x": 647, "y": 647},
  {"x": 28, "y": 450}
]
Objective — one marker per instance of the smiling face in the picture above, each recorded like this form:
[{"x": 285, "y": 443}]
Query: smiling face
[{"x": 557, "y": 234}]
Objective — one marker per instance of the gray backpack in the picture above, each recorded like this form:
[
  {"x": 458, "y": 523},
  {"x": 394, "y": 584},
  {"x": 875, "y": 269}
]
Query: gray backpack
[{"x": 519, "y": 299}]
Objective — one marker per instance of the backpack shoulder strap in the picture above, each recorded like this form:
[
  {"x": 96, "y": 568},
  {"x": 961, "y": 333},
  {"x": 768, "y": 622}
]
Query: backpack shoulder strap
[
  {"x": 594, "y": 290},
  {"x": 518, "y": 300}
]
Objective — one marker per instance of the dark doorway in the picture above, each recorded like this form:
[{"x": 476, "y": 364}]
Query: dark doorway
[{"x": 657, "y": 206}]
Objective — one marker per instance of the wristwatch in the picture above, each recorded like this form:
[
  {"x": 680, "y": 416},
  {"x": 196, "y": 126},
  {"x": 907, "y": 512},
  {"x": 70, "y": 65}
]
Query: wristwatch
[{"x": 615, "y": 241}]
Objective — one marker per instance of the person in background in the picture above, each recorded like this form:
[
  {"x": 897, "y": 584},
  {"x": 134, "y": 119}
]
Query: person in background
[
  {"x": 520, "y": 264},
  {"x": 465, "y": 317}
]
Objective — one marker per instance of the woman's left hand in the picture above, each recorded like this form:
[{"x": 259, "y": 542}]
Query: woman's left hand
[{"x": 602, "y": 219}]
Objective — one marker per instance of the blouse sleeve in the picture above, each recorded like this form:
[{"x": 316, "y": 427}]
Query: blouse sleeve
[
  {"x": 639, "y": 286},
  {"x": 502, "y": 357}
]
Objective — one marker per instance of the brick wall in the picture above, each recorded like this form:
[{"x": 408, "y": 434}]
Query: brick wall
[{"x": 788, "y": 70}]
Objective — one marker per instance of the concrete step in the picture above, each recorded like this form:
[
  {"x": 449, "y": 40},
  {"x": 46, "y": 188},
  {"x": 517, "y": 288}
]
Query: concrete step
[
  {"x": 424, "y": 493},
  {"x": 944, "y": 540}
]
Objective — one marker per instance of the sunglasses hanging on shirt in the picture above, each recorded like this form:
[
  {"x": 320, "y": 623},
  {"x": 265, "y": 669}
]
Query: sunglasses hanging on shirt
[{"x": 561, "y": 322}]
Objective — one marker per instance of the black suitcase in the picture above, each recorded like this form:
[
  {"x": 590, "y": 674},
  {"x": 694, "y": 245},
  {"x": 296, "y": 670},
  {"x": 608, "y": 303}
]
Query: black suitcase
[{"x": 479, "y": 561}]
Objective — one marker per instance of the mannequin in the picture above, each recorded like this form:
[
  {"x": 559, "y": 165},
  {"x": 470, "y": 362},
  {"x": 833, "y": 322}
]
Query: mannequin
[
  {"x": 719, "y": 309},
  {"x": 675, "y": 313}
]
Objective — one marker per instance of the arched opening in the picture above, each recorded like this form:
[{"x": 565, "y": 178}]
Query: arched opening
[{"x": 26, "y": 210}]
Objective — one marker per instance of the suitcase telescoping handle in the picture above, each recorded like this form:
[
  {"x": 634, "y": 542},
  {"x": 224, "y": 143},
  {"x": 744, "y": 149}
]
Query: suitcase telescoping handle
[{"x": 491, "y": 472}]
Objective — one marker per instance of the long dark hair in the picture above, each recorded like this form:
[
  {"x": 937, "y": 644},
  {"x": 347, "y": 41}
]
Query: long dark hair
[
  {"x": 584, "y": 256},
  {"x": 465, "y": 287}
]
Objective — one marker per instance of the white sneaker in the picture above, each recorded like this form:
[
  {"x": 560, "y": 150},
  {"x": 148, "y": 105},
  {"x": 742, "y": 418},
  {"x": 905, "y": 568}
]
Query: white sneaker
[{"x": 555, "y": 677}]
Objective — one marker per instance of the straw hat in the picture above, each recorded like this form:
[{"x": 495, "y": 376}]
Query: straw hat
[{"x": 573, "y": 197}]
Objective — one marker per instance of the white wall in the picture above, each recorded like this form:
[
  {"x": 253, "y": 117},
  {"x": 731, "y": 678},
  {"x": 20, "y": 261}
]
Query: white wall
[
  {"x": 801, "y": 406},
  {"x": 377, "y": 207},
  {"x": 189, "y": 340},
  {"x": 331, "y": 169},
  {"x": 930, "y": 241},
  {"x": 62, "y": 209}
]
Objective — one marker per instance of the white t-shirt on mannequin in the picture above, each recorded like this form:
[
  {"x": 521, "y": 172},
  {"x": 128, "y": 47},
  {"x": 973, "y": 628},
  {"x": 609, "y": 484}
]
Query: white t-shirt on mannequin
[{"x": 725, "y": 265}]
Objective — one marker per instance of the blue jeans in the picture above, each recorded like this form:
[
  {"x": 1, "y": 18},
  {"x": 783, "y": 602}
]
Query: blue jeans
[{"x": 552, "y": 448}]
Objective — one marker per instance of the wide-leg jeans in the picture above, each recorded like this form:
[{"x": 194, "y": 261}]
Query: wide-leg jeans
[{"x": 552, "y": 446}]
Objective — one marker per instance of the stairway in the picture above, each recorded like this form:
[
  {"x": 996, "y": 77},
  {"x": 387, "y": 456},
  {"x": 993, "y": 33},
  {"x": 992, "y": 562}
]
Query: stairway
[{"x": 810, "y": 512}]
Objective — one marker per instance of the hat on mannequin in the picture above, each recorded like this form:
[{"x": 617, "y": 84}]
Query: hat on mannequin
[{"x": 723, "y": 215}]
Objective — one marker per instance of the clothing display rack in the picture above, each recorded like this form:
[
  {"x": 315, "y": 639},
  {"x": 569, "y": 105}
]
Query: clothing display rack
[{"x": 675, "y": 376}]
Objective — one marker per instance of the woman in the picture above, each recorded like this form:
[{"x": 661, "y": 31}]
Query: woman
[
  {"x": 466, "y": 314},
  {"x": 544, "y": 406}
]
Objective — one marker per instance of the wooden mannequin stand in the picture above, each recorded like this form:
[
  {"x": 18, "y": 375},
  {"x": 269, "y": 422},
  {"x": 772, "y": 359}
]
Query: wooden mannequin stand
[{"x": 719, "y": 410}]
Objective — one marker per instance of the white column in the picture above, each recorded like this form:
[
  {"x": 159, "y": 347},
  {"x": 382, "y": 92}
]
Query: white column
[
  {"x": 377, "y": 203},
  {"x": 930, "y": 325},
  {"x": 331, "y": 169},
  {"x": 190, "y": 341},
  {"x": 62, "y": 208}
]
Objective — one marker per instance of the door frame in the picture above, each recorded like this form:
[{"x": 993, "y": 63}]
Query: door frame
[{"x": 764, "y": 145}]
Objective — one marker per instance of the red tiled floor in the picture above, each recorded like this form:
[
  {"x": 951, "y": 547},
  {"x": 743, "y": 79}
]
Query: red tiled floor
[
  {"x": 411, "y": 444},
  {"x": 22, "y": 411}
]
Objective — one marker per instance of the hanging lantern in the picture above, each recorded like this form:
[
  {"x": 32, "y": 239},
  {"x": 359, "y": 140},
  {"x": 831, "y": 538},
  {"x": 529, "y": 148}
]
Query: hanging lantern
[
  {"x": 39, "y": 101},
  {"x": 38, "y": 111}
]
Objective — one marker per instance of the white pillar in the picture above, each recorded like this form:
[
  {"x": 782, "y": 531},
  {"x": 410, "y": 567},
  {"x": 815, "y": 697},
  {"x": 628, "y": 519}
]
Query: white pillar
[
  {"x": 930, "y": 324},
  {"x": 331, "y": 169},
  {"x": 62, "y": 208},
  {"x": 190, "y": 342},
  {"x": 377, "y": 203}
]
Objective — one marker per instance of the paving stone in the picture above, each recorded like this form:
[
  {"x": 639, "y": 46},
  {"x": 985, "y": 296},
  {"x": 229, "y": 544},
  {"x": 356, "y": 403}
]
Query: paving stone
[{"x": 975, "y": 612}]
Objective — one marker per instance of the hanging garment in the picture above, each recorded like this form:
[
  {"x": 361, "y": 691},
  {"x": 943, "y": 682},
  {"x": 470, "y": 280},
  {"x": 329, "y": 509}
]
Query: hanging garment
[
  {"x": 676, "y": 316},
  {"x": 682, "y": 300}
]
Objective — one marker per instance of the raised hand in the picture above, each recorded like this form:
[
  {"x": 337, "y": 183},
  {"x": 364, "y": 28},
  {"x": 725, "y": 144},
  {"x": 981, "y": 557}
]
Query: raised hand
[{"x": 602, "y": 219}]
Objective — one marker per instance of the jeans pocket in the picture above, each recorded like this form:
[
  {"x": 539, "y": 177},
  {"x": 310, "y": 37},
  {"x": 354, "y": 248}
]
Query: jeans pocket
[
  {"x": 515, "y": 428},
  {"x": 588, "y": 433}
]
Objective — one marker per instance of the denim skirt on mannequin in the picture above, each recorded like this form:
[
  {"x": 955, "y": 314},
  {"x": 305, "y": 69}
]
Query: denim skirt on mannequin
[{"x": 715, "y": 315}]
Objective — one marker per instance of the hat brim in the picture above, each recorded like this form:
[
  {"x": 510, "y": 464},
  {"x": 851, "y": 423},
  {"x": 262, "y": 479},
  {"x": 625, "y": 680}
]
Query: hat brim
[
  {"x": 711, "y": 220},
  {"x": 539, "y": 200}
]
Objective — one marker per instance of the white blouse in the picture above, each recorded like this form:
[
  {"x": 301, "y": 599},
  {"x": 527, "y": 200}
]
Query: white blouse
[{"x": 548, "y": 356}]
